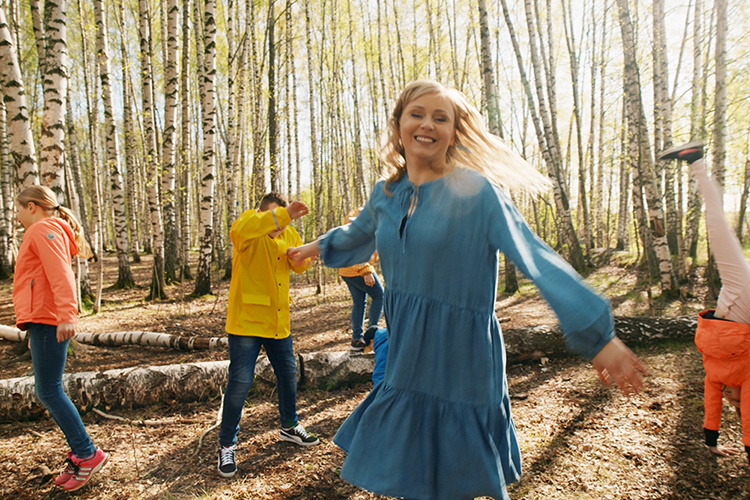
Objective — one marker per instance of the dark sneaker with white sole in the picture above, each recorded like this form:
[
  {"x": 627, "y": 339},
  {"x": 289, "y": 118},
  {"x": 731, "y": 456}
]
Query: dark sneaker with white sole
[
  {"x": 227, "y": 465},
  {"x": 689, "y": 152},
  {"x": 298, "y": 435}
]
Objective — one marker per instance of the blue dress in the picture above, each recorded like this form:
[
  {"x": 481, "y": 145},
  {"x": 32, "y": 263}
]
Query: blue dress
[{"x": 438, "y": 427}]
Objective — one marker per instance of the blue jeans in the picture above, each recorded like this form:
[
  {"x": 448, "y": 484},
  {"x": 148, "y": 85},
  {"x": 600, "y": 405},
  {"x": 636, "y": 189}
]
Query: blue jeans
[
  {"x": 48, "y": 360},
  {"x": 243, "y": 353},
  {"x": 359, "y": 292}
]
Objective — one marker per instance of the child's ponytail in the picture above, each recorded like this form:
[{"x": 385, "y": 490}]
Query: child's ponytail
[{"x": 84, "y": 250}]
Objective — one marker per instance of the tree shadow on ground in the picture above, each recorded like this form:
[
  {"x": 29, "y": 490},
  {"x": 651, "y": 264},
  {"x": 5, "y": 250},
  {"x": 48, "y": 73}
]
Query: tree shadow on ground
[{"x": 696, "y": 473}]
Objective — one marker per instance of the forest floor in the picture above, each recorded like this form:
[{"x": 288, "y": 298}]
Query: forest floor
[{"x": 579, "y": 440}]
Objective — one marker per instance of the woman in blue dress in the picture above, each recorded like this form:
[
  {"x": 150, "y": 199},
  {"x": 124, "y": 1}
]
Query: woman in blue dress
[{"x": 438, "y": 427}]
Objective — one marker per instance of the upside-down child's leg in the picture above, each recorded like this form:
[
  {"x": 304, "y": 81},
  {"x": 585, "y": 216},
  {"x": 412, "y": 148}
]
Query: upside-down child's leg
[{"x": 734, "y": 299}]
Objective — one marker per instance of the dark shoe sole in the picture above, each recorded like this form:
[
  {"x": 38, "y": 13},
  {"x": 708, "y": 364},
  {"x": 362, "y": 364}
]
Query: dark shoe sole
[{"x": 689, "y": 152}]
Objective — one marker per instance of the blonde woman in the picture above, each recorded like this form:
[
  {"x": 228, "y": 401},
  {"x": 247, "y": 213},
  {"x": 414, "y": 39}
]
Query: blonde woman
[
  {"x": 45, "y": 303},
  {"x": 438, "y": 427}
]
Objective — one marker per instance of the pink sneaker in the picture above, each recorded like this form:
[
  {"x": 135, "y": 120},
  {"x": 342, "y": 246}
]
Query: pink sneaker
[
  {"x": 69, "y": 471},
  {"x": 84, "y": 469}
]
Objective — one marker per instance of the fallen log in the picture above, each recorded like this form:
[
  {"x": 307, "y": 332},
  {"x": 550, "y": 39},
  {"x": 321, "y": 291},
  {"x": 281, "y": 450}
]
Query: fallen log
[
  {"x": 534, "y": 342},
  {"x": 141, "y": 386},
  {"x": 153, "y": 339}
]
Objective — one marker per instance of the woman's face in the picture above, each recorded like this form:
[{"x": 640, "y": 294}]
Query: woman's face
[{"x": 427, "y": 129}]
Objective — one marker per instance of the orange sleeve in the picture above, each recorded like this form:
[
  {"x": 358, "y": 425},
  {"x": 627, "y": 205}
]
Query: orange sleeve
[
  {"x": 745, "y": 410},
  {"x": 712, "y": 405}
]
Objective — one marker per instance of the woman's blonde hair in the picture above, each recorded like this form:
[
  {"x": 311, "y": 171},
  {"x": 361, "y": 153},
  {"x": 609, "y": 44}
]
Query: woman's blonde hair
[
  {"x": 474, "y": 147},
  {"x": 46, "y": 199}
]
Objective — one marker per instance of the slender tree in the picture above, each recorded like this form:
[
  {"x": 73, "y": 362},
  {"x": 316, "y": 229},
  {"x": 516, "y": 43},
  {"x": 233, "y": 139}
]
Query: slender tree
[
  {"x": 640, "y": 148},
  {"x": 97, "y": 233},
  {"x": 203, "y": 274},
  {"x": 696, "y": 131},
  {"x": 55, "y": 84},
  {"x": 171, "y": 91},
  {"x": 233, "y": 129},
  {"x": 6, "y": 203},
  {"x": 574, "y": 56},
  {"x": 77, "y": 202},
  {"x": 129, "y": 140},
  {"x": 21, "y": 141},
  {"x": 157, "y": 289},
  {"x": 184, "y": 177},
  {"x": 124, "y": 276}
]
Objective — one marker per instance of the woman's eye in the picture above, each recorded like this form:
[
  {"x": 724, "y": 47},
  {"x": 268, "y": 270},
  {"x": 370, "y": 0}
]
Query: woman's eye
[
  {"x": 440, "y": 119},
  {"x": 416, "y": 115}
]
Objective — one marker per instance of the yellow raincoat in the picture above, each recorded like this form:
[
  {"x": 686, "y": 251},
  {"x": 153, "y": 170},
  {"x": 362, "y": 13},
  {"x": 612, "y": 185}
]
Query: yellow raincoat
[{"x": 259, "y": 290}]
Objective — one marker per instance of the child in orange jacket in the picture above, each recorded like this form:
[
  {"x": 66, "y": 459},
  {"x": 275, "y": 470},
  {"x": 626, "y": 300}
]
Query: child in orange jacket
[
  {"x": 45, "y": 303},
  {"x": 723, "y": 335}
]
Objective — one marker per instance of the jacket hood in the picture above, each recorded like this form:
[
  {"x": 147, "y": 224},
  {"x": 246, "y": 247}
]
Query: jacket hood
[{"x": 56, "y": 222}]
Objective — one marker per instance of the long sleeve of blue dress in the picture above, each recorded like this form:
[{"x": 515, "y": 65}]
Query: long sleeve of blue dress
[{"x": 585, "y": 316}]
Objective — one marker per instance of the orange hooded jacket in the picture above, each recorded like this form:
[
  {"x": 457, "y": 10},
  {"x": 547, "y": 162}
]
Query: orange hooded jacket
[
  {"x": 725, "y": 346},
  {"x": 44, "y": 288}
]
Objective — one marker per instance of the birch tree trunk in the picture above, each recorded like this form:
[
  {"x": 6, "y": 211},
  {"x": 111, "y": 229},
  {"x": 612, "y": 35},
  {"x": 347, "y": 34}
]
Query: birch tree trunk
[
  {"x": 97, "y": 235},
  {"x": 622, "y": 212},
  {"x": 493, "y": 114},
  {"x": 152, "y": 161},
  {"x": 6, "y": 201},
  {"x": 718, "y": 151},
  {"x": 80, "y": 206},
  {"x": 718, "y": 136},
  {"x": 743, "y": 198},
  {"x": 55, "y": 85},
  {"x": 17, "y": 113},
  {"x": 360, "y": 187},
  {"x": 692, "y": 219},
  {"x": 574, "y": 56},
  {"x": 124, "y": 276},
  {"x": 129, "y": 140},
  {"x": 256, "y": 90},
  {"x": 663, "y": 124},
  {"x": 183, "y": 196},
  {"x": 203, "y": 275},
  {"x": 273, "y": 166},
  {"x": 636, "y": 118},
  {"x": 295, "y": 114},
  {"x": 233, "y": 131},
  {"x": 171, "y": 90}
]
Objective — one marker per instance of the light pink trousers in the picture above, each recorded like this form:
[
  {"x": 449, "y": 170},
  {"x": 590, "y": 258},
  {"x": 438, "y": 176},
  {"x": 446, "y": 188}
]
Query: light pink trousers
[{"x": 734, "y": 298}]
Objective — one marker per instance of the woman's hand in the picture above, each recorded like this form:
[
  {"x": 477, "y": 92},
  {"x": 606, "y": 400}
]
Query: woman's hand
[
  {"x": 65, "y": 331},
  {"x": 724, "y": 451},
  {"x": 616, "y": 363},
  {"x": 369, "y": 279},
  {"x": 299, "y": 254}
]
